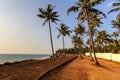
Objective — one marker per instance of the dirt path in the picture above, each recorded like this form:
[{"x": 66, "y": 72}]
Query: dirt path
[{"x": 84, "y": 69}]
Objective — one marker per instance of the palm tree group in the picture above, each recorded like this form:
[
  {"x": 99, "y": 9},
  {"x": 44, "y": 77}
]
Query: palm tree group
[{"x": 87, "y": 14}]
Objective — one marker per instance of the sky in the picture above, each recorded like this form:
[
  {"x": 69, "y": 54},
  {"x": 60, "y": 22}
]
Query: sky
[{"x": 21, "y": 31}]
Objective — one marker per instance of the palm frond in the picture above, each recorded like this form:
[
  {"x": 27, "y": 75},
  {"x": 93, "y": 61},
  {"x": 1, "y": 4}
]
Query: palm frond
[
  {"x": 58, "y": 35},
  {"x": 113, "y": 10},
  {"x": 41, "y": 11},
  {"x": 98, "y": 12},
  {"x": 73, "y": 8},
  {"x": 116, "y": 4},
  {"x": 95, "y": 2},
  {"x": 46, "y": 20},
  {"x": 41, "y": 16}
]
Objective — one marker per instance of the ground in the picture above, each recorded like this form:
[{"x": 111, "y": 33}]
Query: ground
[
  {"x": 85, "y": 69},
  {"x": 30, "y": 69}
]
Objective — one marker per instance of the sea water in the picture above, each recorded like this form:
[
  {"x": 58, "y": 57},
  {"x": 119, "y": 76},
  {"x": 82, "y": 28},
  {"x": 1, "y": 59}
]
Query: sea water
[{"x": 20, "y": 57}]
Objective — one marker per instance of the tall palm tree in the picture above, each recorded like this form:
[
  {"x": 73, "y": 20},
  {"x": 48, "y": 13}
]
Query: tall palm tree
[
  {"x": 49, "y": 16},
  {"x": 63, "y": 31},
  {"x": 86, "y": 9}
]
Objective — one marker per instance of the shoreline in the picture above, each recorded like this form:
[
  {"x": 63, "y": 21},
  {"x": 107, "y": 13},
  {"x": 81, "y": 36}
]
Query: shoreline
[{"x": 13, "y": 58}]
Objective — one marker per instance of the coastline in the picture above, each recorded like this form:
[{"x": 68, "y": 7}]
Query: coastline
[
  {"x": 30, "y": 69},
  {"x": 12, "y": 58}
]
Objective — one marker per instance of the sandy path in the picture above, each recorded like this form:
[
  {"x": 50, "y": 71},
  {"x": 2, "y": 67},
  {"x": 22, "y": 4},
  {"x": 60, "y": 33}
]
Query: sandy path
[{"x": 84, "y": 69}]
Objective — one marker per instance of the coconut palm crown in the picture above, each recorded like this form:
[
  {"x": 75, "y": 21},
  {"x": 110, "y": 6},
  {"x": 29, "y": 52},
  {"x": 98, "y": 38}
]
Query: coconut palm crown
[
  {"x": 63, "y": 31},
  {"x": 79, "y": 29}
]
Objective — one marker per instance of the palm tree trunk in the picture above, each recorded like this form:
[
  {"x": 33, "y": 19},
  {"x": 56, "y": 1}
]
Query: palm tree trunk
[
  {"x": 80, "y": 52},
  {"x": 51, "y": 41},
  {"x": 116, "y": 38},
  {"x": 90, "y": 50},
  {"x": 91, "y": 40},
  {"x": 96, "y": 61},
  {"x": 63, "y": 43}
]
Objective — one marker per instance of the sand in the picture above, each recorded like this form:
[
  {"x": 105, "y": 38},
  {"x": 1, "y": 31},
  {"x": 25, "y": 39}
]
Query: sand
[{"x": 84, "y": 69}]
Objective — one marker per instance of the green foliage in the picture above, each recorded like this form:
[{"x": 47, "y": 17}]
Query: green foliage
[
  {"x": 63, "y": 30},
  {"x": 48, "y": 14}
]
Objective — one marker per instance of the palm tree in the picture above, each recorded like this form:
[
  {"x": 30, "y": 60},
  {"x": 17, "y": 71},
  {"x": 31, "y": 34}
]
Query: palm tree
[
  {"x": 115, "y": 42},
  {"x": 115, "y": 46},
  {"x": 115, "y": 34},
  {"x": 116, "y": 24},
  {"x": 49, "y": 16},
  {"x": 79, "y": 31},
  {"x": 102, "y": 38},
  {"x": 63, "y": 31},
  {"x": 86, "y": 9},
  {"x": 78, "y": 42}
]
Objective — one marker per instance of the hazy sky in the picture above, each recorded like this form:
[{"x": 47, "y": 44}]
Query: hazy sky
[{"x": 21, "y": 31}]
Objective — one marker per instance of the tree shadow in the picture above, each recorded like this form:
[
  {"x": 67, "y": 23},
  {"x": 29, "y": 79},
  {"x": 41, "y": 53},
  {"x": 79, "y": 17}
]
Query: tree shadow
[
  {"x": 103, "y": 66},
  {"x": 82, "y": 74}
]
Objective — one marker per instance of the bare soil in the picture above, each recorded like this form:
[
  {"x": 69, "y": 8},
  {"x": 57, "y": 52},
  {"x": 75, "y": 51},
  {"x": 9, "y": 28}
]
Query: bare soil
[{"x": 84, "y": 69}]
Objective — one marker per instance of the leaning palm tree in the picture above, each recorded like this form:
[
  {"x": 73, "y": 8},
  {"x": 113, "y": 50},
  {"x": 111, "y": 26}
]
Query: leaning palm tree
[
  {"x": 86, "y": 9},
  {"x": 49, "y": 16},
  {"x": 93, "y": 32},
  {"x": 63, "y": 31}
]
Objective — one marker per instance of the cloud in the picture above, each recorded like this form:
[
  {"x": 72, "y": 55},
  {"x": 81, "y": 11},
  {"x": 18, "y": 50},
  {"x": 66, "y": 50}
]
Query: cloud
[{"x": 109, "y": 5}]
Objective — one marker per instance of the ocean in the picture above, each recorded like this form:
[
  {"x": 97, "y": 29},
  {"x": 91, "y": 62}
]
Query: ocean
[{"x": 20, "y": 57}]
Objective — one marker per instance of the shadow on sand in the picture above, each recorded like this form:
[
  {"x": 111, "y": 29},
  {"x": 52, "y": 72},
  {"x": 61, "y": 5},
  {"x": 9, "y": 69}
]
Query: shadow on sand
[{"x": 52, "y": 74}]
